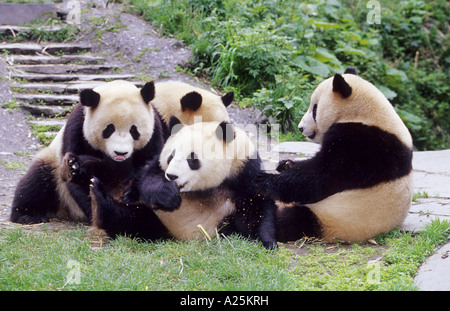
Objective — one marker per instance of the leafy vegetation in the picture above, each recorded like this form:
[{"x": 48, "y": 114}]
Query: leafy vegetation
[
  {"x": 273, "y": 53},
  {"x": 43, "y": 260}
]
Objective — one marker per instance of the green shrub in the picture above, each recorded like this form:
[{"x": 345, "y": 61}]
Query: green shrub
[{"x": 274, "y": 53}]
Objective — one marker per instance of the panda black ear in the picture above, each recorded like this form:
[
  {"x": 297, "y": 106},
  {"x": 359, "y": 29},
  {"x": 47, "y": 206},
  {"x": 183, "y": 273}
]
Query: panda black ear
[
  {"x": 340, "y": 86},
  {"x": 191, "y": 101},
  {"x": 227, "y": 99},
  {"x": 148, "y": 91},
  {"x": 351, "y": 70},
  {"x": 225, "y": 132},
  {"x": 174, "y": 125},
  {"x": 89, "y": 98}
]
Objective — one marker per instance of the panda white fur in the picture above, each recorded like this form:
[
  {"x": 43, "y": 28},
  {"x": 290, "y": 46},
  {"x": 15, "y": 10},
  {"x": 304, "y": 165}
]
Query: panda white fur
[
  {"x": 189, "y": 103},
  {"x": 112, "y": 132},
  {"x": 360, "y": 183},
  {"x": 209, "y": 166}
]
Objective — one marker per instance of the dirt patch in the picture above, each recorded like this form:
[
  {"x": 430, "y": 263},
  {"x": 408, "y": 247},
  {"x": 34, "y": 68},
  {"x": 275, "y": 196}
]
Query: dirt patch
[{"x": 17, "y": 146}]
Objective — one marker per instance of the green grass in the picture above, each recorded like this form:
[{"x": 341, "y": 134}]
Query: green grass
[{"x": 68, "y": 259}]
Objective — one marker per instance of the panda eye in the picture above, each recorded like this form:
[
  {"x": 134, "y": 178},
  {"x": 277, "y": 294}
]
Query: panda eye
[
  {"x": 134, "y": 132},
  {"x": 170, "y": 157},
  {"x": 193, "y": 161},
  {"x": 108, "y": 131},
  {"x": 314, "y": 112}
]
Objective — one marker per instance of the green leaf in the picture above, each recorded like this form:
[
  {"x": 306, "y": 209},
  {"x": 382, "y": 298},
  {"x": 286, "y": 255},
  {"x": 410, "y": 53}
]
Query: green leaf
[
  {"x": 397, "y": 74},
  {"x": 312, "y": 65},
  {"x": 323, "y": 25},
  {"x": 323, "y": 55},
  {"x": 349, "y": 50},
  {"x": 414, "y": 122},
  {"x": 390, "y": 94}
]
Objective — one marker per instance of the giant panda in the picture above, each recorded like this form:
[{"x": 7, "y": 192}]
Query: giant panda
[
  {"x": 113, "y": 130},
  {"x": 189, "y": 103},
  {"x": 359, "y": 183},
  {"x": 209, "y": 166}
]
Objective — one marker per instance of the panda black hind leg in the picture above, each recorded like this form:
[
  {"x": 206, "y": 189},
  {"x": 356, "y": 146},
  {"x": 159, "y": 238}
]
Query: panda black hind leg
[
  {"x": 295, "y": 222},
  {"x": 35, "y": 198},
  {"x": 267, "y": 228}
]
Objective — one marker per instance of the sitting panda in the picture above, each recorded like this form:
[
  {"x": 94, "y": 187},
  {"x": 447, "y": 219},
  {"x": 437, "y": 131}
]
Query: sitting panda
[
  {"x": 112, "y": 132},
  {"x": 359, "y": 183},
  {"x": 209, "y": 166},
  {"x": 189, "y": 104}
]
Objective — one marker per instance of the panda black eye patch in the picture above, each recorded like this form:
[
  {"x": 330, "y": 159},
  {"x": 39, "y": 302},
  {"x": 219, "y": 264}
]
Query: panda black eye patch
[
  {"x": 134, "y": 132},
  {"x": 170, "y": 157},
  {"x": 108, "y": 131},
  {"x": 193, "y": 161},
  {"x": 314, "y": 112}
]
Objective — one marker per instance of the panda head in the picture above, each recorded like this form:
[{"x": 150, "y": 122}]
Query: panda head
[
  {"x": 349, "y": 98},
  {"x": 118, "y": 118},
  {"x": 201, "y": 156},
  {"x": 190, "y": 104}
]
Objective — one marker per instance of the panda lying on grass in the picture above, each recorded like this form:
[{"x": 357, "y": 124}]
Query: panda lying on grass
[{"x": 208, "y": 165}]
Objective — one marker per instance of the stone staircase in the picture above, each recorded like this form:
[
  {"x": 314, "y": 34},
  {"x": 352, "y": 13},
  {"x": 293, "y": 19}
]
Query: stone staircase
[{"x": 47, "y": 77}]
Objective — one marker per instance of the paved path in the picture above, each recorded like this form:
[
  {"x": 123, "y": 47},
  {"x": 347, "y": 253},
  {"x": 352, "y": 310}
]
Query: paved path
[{"x": 432, "y": 179}]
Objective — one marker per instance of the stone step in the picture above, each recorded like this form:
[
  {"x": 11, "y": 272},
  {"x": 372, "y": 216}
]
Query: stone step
[
  {"x": 306, "y": 149},
  {"x": 68, "y": 88},
  {"x": 34, "y": 77},
  {"x": 49, "y": 122},
  {"x": 60, "y": 69},
  {"x": 63, "y": 59},
  {"x": 51, "y": 48},
  {"x": 13, "y": 29},
  {"x": 46, "y": 111},
  {"x": 48, "y": 99}
]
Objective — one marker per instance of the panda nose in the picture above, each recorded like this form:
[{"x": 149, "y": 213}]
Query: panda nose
[
  {"x": 120, "y": 153},
  {"x": 301, "y": 129},
  {"x": 171, "y": 177}
]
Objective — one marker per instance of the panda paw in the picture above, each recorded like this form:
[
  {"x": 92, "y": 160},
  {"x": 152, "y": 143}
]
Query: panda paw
[
  {"x": 270, "y": 245},
  {"x": 285, "y": 165},
  {"x": 96, "y": 185},
  {"x": 168, "y": 198},
  {"x": 71, "y": 166}
]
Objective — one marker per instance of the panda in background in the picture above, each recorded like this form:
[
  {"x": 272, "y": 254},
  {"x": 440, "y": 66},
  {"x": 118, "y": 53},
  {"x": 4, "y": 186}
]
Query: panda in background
[
  {"x": 111, "y": 133},
  {"x": 359, "y": 184},
  {"x": 189, "y": 104},
  {"x": 209, "y": 165}
]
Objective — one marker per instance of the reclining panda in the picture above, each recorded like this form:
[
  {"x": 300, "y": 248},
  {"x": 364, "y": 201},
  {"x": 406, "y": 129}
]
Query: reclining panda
[{"x": 207, "y": 171}]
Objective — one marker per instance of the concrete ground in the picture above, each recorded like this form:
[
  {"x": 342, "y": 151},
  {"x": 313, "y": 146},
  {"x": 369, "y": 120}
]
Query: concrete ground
[{"x": 432, "y": 179}]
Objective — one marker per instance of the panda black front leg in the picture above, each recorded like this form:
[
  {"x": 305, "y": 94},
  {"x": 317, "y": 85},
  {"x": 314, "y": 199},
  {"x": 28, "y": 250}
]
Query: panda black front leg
[
  {"x": 155, "y": 190},
  {"x": 158, "y": 192}
]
